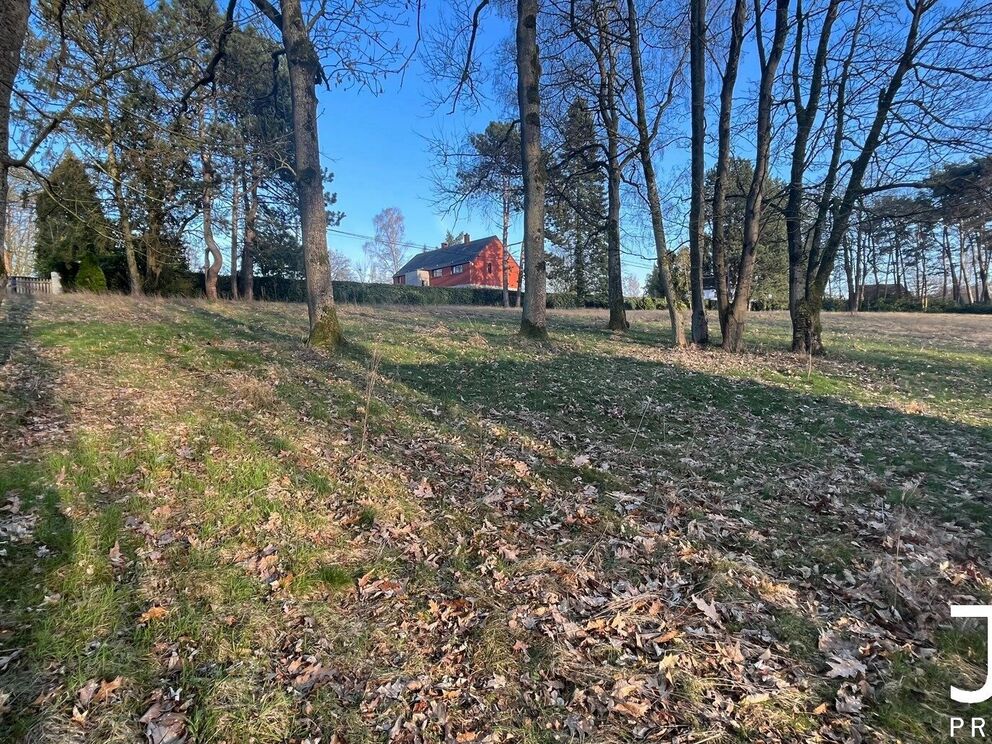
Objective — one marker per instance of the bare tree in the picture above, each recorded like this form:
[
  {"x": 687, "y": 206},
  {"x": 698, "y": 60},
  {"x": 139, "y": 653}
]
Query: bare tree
[
  {"x": 646, "y": 133},
  {"x": 596, "y": 25},
  {"x": 697, "y": 78},
  {"x": 352, "y": 36},
  {"x": 919, "y": 104},
  {"x": 20, "y": 225},
  {"x": 534, "y": 320},
  {"x": 805, "y": 112},
  {"x": 387, "y": 252},
  {"x": 213, "y": 259},
  {"x": 250, "y": 189},
  {"x": 768, "y": 61},
  {"x": 722, "y": 169},
  {"x": 341, "y": 268},
  {"x": 236, "y": 177},
  {"x": 631, "y": 285}
]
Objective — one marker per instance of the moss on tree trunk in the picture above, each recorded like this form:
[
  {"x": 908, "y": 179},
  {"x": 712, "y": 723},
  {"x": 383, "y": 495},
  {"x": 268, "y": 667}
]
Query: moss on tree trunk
[{"x": 326, "y": 333}]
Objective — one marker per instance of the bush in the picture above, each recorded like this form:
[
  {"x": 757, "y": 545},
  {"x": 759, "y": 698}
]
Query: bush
[
  {"x": 560, "y": 300},
  {"x": 642, "y": 303},
  {"x": 90, "y": 276},
  {"x": 979, "y": 309}
]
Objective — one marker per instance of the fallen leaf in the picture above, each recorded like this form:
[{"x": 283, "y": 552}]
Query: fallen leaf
[
  {"x": 756, "y": 698},
  {"x": 707, "y": 608},
  {"x": 155, "y": 612},
  {"x": 116, "y": 557},
  {"x": 107, "y": 688},
  {"x": 845, "y": 667},
  {"x": 633, "y": 709},
  {"x": 85, "y": 693}
]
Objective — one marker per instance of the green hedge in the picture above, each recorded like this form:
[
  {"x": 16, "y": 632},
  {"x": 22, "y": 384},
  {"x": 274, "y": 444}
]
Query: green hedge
[
  {"x": 909, "y": 305},
  {"x": 279, "y": 289},
  {"x": 90, "y": 276},
  {"x": 358, "y": 293}
]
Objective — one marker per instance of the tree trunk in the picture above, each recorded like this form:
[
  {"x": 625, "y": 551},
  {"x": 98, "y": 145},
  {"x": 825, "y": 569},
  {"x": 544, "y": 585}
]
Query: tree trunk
[
  {"x": 860, "y": 269},
  {"x": 13, "y": 28},
  {"x": 805, "y": 115},
  {"x": 579, "y": 264},
  {"x": 982, "y": 256},
  {"x": 506, "y": 237},
  {"x": 518, "y": 298},
  {"x": 697, "y": 65},
  {"x": 534, "y": 320},
  {"x": 235, "y": 217},
  {"x": 849, "y": 269},
  {"x": 304, "y": 74},
  {"x": 719, "y": 237},
  {"x": 650, "y": 179},
  {"x": 924, "y": 284},
  {"x": 133, "y": 275},
  {"x": 755, "y": 197},
  {"x": 949, "y": 258},
  {"x": 963, "y": 272},
  {"x": 614, "y": 280},
  {"x": 4, "y": 193},
  {"x": 810, "y": 317},
  {"x": 213, "y": 259},
  {"x": 248, "y": 244}
]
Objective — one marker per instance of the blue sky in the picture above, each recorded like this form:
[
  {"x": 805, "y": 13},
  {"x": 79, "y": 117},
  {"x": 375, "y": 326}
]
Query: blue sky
[{"x": 376, "y": 146}]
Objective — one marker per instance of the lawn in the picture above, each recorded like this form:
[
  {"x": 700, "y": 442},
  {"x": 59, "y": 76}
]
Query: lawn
[{"x": 446, "y": 534}]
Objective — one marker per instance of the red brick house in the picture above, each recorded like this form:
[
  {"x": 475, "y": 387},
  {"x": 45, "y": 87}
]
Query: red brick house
[{"x": 471, "y": 263}]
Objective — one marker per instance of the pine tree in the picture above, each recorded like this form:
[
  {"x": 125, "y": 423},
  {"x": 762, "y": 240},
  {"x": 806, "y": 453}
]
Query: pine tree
[
  {"x": 577, "y": 211},
  {"x": 71, "y": 225},
  {"x": 770, "y": 285}
]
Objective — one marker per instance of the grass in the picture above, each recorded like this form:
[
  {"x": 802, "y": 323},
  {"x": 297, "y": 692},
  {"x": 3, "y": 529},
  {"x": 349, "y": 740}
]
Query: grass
[{"x": 597, "y": 538}]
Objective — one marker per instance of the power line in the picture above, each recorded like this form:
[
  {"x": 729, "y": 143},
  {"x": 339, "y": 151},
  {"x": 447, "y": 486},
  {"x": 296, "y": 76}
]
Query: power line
[{"x": 405, "y": 244}]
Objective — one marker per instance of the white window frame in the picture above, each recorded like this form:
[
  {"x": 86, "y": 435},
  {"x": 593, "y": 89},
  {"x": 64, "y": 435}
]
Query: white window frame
[
  {"x": 459, "y": 269},
  {"x": 436, "y": 272}
]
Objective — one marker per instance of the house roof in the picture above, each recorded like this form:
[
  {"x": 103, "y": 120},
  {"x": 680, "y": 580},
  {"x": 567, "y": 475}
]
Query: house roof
[{"x": 454, "y": 254}]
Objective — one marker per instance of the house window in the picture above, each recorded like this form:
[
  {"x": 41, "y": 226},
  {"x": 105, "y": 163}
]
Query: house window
[
  {"x": 489, "y": 268},
  {"x": 437, "y": 272},
  {"x": 458, "y": 269}
]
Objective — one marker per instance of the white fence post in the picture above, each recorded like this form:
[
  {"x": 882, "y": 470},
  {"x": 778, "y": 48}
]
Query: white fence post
[{"x": 56, "y": 283}]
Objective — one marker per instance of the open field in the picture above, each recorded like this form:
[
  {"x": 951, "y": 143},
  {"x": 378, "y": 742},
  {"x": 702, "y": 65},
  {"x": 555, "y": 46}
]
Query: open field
[{"x": 446, "y": 534}]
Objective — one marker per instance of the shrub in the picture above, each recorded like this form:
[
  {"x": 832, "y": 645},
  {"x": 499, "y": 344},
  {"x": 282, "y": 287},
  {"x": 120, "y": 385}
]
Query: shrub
[
  {"x": 90, "y": 276},
  {"x": 979, "y": 309},
  {"x": 559, "y": 300}
]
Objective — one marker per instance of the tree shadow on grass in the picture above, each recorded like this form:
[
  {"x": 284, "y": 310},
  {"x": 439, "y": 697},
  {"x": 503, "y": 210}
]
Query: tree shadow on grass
[
  {"x": 735, "y": 427},
  {"x": 31, "y": 514},
  {"x": 65, "y": 607},
  {"x": 702, "y": 439}
]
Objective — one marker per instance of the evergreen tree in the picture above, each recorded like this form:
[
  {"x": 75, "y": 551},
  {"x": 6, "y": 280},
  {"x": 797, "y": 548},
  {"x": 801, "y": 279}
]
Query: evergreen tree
[
  {"x": 487, "y": 174},
  {"x": 71, "y": 225},
  {"x": 770, "y": 288},
  {"x": 577, "y": 211}
]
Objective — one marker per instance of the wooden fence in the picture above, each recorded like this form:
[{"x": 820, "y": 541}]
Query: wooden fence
[{"x": 30, "y": 285}]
